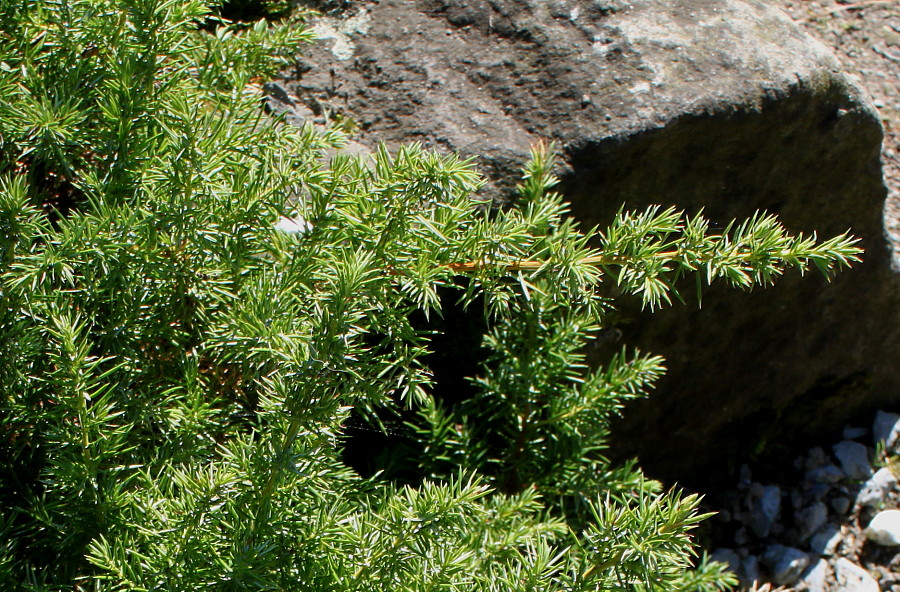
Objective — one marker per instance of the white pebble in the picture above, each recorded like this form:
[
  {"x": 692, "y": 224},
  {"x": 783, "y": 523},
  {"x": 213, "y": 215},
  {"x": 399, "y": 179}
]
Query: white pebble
[
  {"x": 884, "y": 529},
  {"x": 296, "y": 225},
  {"x": 815, "y": 578},
  {"x": 852, "y": 578},
  {"x": 875, "y": 491}
]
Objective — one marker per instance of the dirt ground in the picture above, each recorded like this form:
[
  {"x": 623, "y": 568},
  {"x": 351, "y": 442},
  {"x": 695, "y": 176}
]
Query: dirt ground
[{"x": 865, "y": 36}]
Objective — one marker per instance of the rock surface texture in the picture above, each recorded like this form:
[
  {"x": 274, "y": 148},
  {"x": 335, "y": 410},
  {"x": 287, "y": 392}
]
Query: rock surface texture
[{"x": 717, "y": 104}]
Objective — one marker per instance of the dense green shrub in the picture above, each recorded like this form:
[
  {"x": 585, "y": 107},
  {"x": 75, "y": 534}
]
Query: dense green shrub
[{"x": 176, "y": 374}]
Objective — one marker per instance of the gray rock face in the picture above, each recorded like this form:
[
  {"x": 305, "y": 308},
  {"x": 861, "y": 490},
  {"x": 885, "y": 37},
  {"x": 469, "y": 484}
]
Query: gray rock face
[{"x": 720, "y": 104}]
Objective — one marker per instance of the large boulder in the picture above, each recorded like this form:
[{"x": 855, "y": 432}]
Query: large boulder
[{"x": 719, "y": 104}]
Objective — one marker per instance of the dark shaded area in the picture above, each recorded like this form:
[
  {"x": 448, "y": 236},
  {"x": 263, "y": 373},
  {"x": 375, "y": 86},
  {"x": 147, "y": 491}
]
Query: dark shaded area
[
  {"x": 752, "y": 375},
  {"x": 456, "y": 355},
  {"x": 249, "y": 11},
  {"x": 254, "y": 10},
  {"x": 369, "y": 450},
  {"x": 19, "y": 481},
  {"x": 457, "y": 352}
]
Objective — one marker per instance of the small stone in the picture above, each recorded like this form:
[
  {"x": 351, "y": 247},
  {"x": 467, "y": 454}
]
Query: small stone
[
  {"x": 827, "y": 473},
  {"x": 884, "y": 529},
  {"x": 749, "y": 570},
  {"x": 728, "y": 556},
  {"x": 815, "y": 458},
  {"x": 886, "y": 428},
  {"x": 825, "y": 542},
  {"x": 875, "y": 491},
  {"x": 811, "y": 519},
  {"x": 882, "y": 575},
  {"x": 815, "y": 578},
  {"x": 851, "y": 433},
  {"x": 296, "y": 225},
  {"x": 841, "y": 505},
  {"x": 786, "y": 564},
  {"x": 732, "y": 501},
  {"x": 854, "y": 459},
  {"x": 740, "y": 537},
  {"x": 278, "y": 92},
  {"x": 279, "y": 102},
  {"x": 818, "y": 492},
  {"x": 765, "y": 509},
  {"x": 852, "y": 578}
]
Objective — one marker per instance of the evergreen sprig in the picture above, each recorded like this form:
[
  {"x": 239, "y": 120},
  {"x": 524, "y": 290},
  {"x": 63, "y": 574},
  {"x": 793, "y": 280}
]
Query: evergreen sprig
[{"x": 178, "y": 373}]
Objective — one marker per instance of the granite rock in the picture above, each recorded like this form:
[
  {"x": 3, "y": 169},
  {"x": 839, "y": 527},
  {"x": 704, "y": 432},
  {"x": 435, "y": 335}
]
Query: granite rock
[{"x": 723, "y": 105}]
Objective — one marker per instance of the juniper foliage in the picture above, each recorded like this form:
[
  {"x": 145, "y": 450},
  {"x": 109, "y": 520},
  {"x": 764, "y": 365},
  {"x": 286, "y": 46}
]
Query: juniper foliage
[{"x": 177, "y": 373}]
